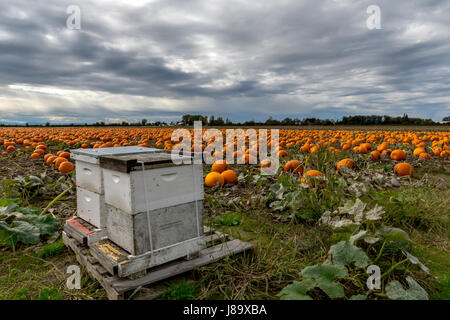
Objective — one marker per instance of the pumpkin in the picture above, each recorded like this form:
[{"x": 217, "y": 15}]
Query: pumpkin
[
  {"x": 294, "y": 166},
  {"x": 424, "y": 156},
  {"x": 50, "y": 159},
  {"x": 375, "y": 155},
  {"x": 349, "y": 163},
  {"x": 403, "y": 169},
  {"x": 35, "y": 155},
  {"x": 66, "y": 167},
  {"x": 310, "y": 174},
  {"x": 282, "y": 153},
  {"x": 398, "y": 155},
  {"x": 213, "y": 179},
  {"x": 229, "y": 177},
  {"x": 418, "y": 151},
  {"x": 220, "y": 166}
]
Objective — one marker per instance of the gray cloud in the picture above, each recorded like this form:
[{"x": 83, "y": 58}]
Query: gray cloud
[{"x": 238, "y": 59}]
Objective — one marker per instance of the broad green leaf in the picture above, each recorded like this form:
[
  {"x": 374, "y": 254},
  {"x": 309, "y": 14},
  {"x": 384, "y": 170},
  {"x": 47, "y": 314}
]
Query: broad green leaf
[
  {"x": 46, "y": 224},
  {"x": 278, "y": 190},
  {"x": 297, "y": 290},
  {"x": 324, "y": 274},
  {"x": 332, "y": 289},
  {"x": 343, "y": 253},
  {"x": 21, "y": 231},
  {"x": 393, "y": 234},
  {"x": 375, "y": 213},
  {"x": 395, "y": 291},
  {"x": 28, "y": 211},
  {"x": 353, "y": 207}
]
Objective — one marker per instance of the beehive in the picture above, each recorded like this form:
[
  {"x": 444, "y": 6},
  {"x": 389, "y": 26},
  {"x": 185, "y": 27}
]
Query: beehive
[
  {"x": 89, "y": 179},
  {"x": 148, "y": 194}
]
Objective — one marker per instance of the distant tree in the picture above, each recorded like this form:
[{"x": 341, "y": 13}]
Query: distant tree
[
  {"x": 272, "y": 122},
  {"x": 446, "y": 118},
  {"x": 190, "y": 118},
  {"x": 219, "y": 121},
  {"x": 144, "y": 121},
  {"x": 47, "y": 124}
]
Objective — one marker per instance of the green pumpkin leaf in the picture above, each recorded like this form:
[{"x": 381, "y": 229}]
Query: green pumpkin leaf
[
  {"x": 393, "y": 234},
  {"x": 21, "y": 231},
  {"x": 344, "y": 253},
  {"x": 297, "y": 290},
  {"x": 395, "y": 291},
  {"x": 46, "y": 224},
  {"x": 323, "y": 275}
]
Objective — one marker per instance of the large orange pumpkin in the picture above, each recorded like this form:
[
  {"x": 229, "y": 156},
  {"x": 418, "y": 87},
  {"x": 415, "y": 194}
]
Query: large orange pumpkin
[
  {"x": 294, "y": 166},
  {"x": 404, "y": 169}
]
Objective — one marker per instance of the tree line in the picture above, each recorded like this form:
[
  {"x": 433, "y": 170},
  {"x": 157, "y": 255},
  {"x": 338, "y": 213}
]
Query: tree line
[{"x": 188, "y": 119}]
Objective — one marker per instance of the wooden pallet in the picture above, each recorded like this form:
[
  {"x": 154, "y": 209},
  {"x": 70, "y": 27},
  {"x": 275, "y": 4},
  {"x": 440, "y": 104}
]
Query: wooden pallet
[
  {"x": 83, "y": 232},
  {"x": 147, "y": 286}
]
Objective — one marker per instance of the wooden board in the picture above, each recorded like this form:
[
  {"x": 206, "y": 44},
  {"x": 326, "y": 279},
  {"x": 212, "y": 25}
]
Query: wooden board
[
  {"x": 207, "y": 256},
  {"x": 94, "y": 269},
  {"x": 149, "y": 285},
  {"x": 128, "y": 163},
  {"x": 83, "y": 231}
]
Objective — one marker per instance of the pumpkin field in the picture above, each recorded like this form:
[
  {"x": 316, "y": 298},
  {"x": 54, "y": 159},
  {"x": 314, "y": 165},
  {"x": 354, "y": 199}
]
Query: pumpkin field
[{"x": 343, "y": 204}]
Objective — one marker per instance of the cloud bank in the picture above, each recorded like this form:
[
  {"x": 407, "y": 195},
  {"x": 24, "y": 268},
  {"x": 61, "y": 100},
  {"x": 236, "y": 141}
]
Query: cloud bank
[{"x": 243, "y": 60}]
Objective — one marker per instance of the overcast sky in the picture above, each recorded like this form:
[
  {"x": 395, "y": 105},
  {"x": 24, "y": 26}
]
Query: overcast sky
[{"x": 245, "y": 60}]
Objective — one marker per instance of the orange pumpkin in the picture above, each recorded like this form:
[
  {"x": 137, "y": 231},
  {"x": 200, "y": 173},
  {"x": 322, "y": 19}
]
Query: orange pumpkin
[
  {"x": 403, "y": 169},
  {"x": 293, "y": 166},
  {"x": 398, "y": 155},
  {"x": 213, "y": 179},
  {"x": 66, "y": 167},
  {"x": 229, "y": 177},
  {"x": 349, "y": 163},
  {"x": 220, "y": 166}
]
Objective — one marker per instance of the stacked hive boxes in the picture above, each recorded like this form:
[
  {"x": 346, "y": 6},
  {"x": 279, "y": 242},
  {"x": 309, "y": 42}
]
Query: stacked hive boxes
[
  {"x": 153, "y": 205},
  {"x": 89, "y": 179}
]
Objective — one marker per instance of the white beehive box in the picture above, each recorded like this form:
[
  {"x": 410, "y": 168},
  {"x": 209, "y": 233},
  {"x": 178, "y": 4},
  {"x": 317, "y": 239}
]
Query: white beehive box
[
  {"x": 165, "y": 186},
  {"x": 171, "y": 194},
  {"x": 88, "y": 173},
  {"x": 169, "y": 226},
  {"x": 91, "y": 207},
  {"x": 89, "y": 180}
]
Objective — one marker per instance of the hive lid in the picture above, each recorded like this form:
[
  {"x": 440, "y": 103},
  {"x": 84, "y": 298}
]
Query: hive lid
[
  {"x": 133, "y": 162},
  {"x": 113, "y": 151}
]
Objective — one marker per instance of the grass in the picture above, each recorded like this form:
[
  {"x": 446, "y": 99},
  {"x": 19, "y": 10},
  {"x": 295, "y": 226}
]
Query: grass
[
  {"x": 229, "y": 219},
  {"x": 52, "y": 249},
  {"x": 180, "y": 291},
  {"x": 39, "y": 274},
  {"x": 284, "y": 241},
  {"x": 283, "y": 247}
]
